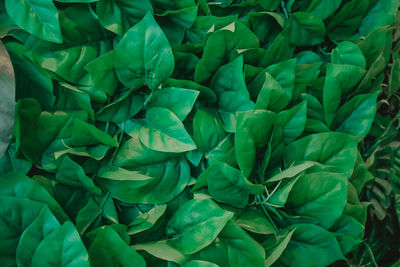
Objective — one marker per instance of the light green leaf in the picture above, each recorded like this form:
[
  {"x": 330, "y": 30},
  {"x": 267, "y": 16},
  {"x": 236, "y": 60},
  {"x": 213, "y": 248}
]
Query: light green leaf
[{"x": 165, "y": 132}]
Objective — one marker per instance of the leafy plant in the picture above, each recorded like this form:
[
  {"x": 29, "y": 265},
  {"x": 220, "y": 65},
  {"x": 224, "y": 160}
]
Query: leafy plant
[{"x": 199, "y": 133}]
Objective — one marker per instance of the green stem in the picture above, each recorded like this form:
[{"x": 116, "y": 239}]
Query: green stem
[
  {"x": 272, "y": 209},
  {"x": 267, "y": 214},
  {"x": 284, "y": 9}
]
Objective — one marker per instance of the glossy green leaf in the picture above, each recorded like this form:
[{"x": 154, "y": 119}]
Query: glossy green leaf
[
  {"x": 230, "y": 77},
  {"x": 108, "y": 249},
  {"x": 162, "y": 249},
  {"x": 340, "y": 80},
  {"x": 120, "y": 15},
  {"x": 307, "y": 241},
  {"x": 356, "y": 116},
  {"x": 382, "y": 14},
  {"x": 348, "y": 53},
  {"x": 207, "y": 130},
  {"x": 20, "y": 186},
  {"x": 178, "y": 100},
  {"x": 273, "y": 253},
  {"x": 16, "y": 215},
  {"x": 306, "y": 29},
  {"x": 146, "y": 220},
  {"x": 323, "y": 8},
  {"x": 152, "y": 184},
  {"x": 39, "y": 229},
  {"x": 228, "y": 185},
  {"x": 123, "y": 108},
  {"x": 197, "y": 263},
  {"x": 164, "y": 132},
  {"x": 152, "y": 56},
  {"x": 242, "y": 249},
  {"x": 339, "y": 153},
  {"x": 103, "y": 73},
  {"x": 253, "y": 131},
  {"x": 38, "y": 17},
  {"x": 321, "y": 195},
  {"x": 196, "y": 224},
  {"x": 62, "y": 247},
  {"x": 221, "y": 48},
  {"x": 65, "y": 62},
  {"x": 293, "y": 121},
  {"x": 256, "y": 222},
  {"x": 133, "y": 153}
]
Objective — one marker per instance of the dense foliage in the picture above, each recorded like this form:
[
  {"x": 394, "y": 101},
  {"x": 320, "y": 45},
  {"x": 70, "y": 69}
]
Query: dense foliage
[{"x": 199, "y": 133}]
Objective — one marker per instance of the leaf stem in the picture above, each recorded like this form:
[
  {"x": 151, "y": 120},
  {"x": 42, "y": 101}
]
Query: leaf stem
[{"x": 266, "y": 213}]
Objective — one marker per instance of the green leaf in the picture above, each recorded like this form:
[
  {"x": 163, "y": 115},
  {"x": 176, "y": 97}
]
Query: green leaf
[
  {"x": 62, "y": 247},
  {"x": 152, "y": 56},
  {"x": 71, "y": 173},
  {"x": 230, "y": 77},
  {"x": 349, "y": 233},
  {"x": 71, "y": 98},
  {"x": 339, "y": 153},
  {"x": 356, "y": 116},
  {"x": 306, "y": 29},
  {"x": 162, "y": 249},
  {"x": 242, "y": 249},
  {"x": 153, "y": 184},
  {"x": 33, "y": 235},
  {"x": 196, "y": 224},
  {"x": 221, "y": 47},
  {"x": 348, "y": 53},
  {"x": 64, "y": 62},
  {"x": 228, "y": 185},
  {"x": 123, "y": 108},
  {"x": 103, "y": 72},
  {"x": 21, "y": 186},
  {"x": 178, "y": 100},
  {"x": 29, "y": 80},
  {"x": 291, "y": 172},
  {"x": 133, "y": 153},
  {"x": 253, "y": 131},
  {"x": 347, "y": 20},
  {"x": 293, "y": 121},
  {"x": 255, "y": 222},
  {"x": 321, "y": 195},
  {"x": 108, "y": 249},
  {"x": 164, "y": 132},
  {"x": 38, "y": 17},
  {"x": 120, "y": 15},
  {"x": 323, "y": 8},
  {"x": 7, "y": 83},
  {"x": 382, "y": 14},
  {"x": 273, "y": 86},
  {"x": 340, "y": 80},
  {"x": 16, "y": 214},
  {"x": 147, "y": 220},
  {"x": 273, "y": 253},
  {"x": 307, "y": 241},
  {"x": 197, "y": 263},
  {"x": 10, "y": 163},
  {"x": 207, "y": 130},
  {"x": 87, "y": 215}
]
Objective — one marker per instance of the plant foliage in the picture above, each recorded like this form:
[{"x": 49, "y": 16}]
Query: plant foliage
[{"x": 199, "y": 133}]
